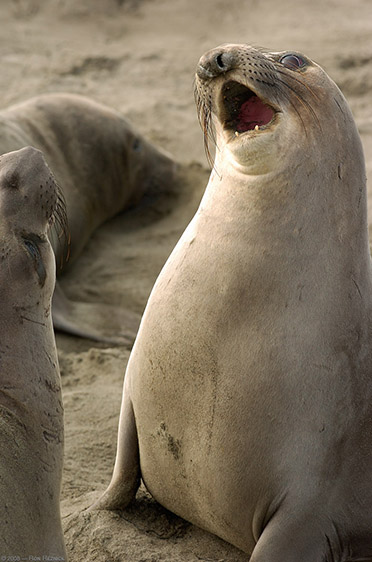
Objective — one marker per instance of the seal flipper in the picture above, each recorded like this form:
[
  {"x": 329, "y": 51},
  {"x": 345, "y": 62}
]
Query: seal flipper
[
  {"x": 127, "y": 473},
  {"x": 87, "y": 320}
]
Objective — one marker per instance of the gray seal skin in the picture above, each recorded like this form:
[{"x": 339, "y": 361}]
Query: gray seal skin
[
  {"x": 103, "y": 166},
  {"x": 247, "y": 401},
  {"x": 31, "y": 411}
]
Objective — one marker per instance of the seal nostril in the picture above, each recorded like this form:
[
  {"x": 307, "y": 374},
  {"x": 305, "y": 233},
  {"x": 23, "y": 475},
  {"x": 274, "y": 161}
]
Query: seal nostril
[
  {"x": 214, "y": 63},
  {"x": 12, "y": 179},
  {"x": 219, "y": 61}
]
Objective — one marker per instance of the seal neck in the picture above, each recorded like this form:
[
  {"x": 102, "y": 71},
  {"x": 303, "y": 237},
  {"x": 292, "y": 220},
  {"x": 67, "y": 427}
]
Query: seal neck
[{"x": 302, "y": 221}]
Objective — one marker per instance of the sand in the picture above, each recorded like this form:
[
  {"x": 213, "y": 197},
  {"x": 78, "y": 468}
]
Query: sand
[{"x": 139, "y": 57}]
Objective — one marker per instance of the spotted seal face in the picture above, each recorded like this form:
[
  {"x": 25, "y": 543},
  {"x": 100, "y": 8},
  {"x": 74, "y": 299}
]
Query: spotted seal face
[
  {"x": 260, "y": 104},
  {"x": 30, "y": 203}
]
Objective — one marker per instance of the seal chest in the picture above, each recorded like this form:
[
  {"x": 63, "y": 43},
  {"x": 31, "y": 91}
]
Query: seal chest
[{"x": 249, "y": 385}]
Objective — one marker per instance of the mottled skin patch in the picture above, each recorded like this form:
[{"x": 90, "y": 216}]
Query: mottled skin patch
[{"x": 173, "y": 445}]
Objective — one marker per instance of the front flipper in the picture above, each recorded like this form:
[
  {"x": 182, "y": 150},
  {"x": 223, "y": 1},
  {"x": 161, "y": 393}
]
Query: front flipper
[
  {"x": 127, "y": 473},
  {"x": 96, "y": 321}
]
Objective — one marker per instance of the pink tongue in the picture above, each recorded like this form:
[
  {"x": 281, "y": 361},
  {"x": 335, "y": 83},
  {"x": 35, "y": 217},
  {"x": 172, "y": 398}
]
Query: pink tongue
[{"x": 253, "y": 112}]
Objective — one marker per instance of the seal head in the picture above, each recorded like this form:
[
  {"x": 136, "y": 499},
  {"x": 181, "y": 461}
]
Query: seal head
[
  {"x": 19, "y": 172},
  {"x": 247, "y": 93}
]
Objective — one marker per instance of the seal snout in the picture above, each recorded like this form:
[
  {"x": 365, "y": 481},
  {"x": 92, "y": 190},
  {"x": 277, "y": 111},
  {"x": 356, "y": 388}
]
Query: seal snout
[
  {"x": 17, "y": 165},
  {"x": 214, "y": 63},
  {"x": 31, "y": 152},
  {"x": 236, "y": 84},
  {"x": 28, "y": 190},
  {"x": 28, "y": 158}
]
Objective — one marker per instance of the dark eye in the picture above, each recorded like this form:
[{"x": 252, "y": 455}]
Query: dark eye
[
  {"x": 32, "y": 249},
  {"x": 292, "y": 61}
]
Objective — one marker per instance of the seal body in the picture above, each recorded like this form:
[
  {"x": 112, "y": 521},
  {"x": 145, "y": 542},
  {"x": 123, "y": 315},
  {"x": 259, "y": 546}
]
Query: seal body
[
  {"x": 103, "y": 166},
  {"x": 247, "y": 402},
  {"x": 31, "y": 411},
  {"x": 99, "y": 159}
]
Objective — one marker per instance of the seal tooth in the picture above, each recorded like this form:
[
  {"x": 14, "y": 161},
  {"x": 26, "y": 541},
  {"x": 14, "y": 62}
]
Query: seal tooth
[
  {"x": 256, "y": 128},
  {"x": 236, "y": 133}
]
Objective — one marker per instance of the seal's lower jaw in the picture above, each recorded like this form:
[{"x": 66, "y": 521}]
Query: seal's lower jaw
[{"x": 242, "y": 111}]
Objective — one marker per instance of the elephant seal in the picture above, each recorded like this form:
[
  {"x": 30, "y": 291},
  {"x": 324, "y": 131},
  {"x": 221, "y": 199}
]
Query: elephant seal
[
  {"x": 103, "y": 166},
  {"x": 247, "y": 402},
  {"x": 31, "y": 411}
]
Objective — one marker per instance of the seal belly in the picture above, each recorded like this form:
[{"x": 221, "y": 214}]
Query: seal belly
[
  {"x": 185, "y": 400},
  {"x": 193, "y": 393}
]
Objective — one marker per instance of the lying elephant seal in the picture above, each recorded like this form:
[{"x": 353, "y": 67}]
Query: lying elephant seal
[
  {"x": 103, "y": 166},
  {"x": 31, "y": 411},
  {"x": 247, "y": 403}
]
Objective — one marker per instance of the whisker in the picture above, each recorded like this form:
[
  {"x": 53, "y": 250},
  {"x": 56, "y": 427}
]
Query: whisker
[
  {"x": 296, "y": 78},
  {"x": 303, "y": 102},
  {"x": 59, "y": 222},
  {"x": 204, "y": 112},
  {"x": 294, "y": 107}
]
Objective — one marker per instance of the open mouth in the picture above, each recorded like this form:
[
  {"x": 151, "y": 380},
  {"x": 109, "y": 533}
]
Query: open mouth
[{"x": 243, "y": 110}]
